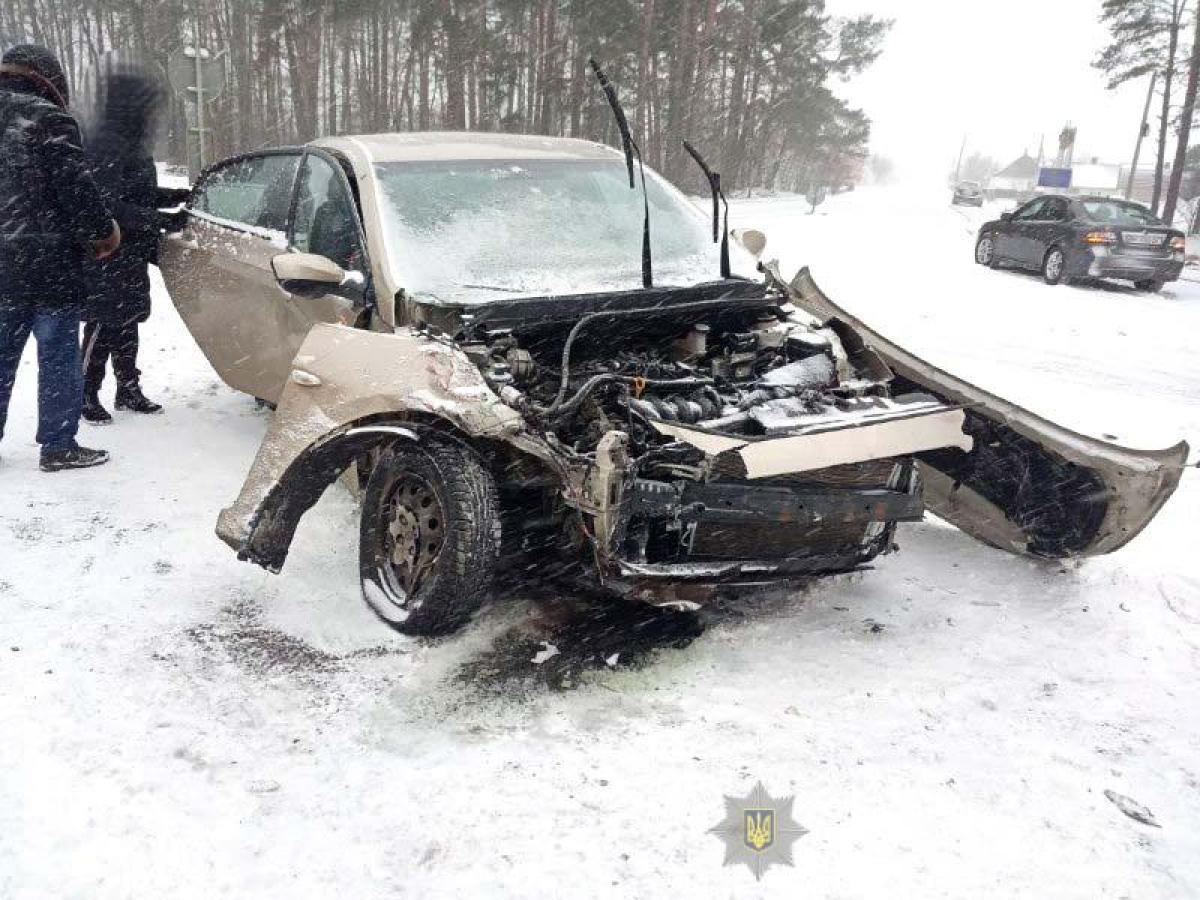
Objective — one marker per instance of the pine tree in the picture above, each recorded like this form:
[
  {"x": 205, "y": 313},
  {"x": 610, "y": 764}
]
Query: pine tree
[{"x": 1145, "y": 39}]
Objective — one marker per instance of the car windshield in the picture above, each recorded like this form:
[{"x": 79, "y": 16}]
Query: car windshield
[
  {"x": 475, "y": 230},
  {"x": 1117, "y": 212}
]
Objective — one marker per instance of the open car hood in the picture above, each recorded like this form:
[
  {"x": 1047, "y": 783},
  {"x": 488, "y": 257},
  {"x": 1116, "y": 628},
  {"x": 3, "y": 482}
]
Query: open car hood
[{"x": 1028, "y": 485}]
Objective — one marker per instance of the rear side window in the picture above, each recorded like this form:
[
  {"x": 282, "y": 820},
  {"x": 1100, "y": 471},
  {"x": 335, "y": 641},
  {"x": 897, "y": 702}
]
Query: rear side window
[
  {"x": 1118, "y": 212},
  {"x": 255, "y": 191}
]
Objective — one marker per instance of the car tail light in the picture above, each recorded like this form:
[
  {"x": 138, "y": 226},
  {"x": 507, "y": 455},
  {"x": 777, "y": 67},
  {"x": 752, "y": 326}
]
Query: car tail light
[
  {"x": 1178, "y": 243},
  {"x": 1100, "y": 237}
]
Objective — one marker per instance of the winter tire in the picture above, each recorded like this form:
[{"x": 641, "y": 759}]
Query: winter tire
[
  {"x": 1149, "y": 285},
  {"x": 985, "y": 252},
  {"x": 1054, "y": 267},
  {"x": 429, "y": 536}
]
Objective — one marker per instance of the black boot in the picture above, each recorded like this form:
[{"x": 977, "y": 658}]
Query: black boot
[
  {"x": 74, "y": 457},
  {"x": 132, "y": 399},
  {"x": 93, "y": 412}
]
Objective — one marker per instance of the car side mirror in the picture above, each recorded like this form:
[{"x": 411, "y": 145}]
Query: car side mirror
[
  {"x": 751, "y": 240},
  {"x": 1005, "y": 216},
  {"x": 311, "y": 275}
]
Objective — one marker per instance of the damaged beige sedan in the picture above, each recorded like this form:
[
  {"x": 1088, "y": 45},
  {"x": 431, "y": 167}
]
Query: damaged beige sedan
[{"x": 478, "y": 330}]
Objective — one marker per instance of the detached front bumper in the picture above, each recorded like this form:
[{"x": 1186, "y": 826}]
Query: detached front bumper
[{"x": 1103, "y": 262}]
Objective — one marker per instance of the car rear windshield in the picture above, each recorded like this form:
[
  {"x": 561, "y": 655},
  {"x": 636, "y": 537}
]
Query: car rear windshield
[
  {"x": 1118, "y": 212},
  {"x": 476, "y": 230}
]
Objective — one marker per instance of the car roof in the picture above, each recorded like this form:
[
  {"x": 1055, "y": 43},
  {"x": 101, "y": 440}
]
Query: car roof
[
  {"x": 1100, "y": 198},
  {"x": 413, "y": 146}
]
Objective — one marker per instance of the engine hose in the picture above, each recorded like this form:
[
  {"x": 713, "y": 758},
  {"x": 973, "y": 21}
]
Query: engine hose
[
  {"x": 556, "y": 409},
  {"x": 584, "y": 321}
]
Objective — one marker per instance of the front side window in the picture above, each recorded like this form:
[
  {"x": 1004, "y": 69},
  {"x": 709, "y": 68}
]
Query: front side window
[
  {"x": 1055, "y": 210},
  {"x": 326, "y": 220},
  {"x": 1031, "y": 210},
  {"x": 254, "y": 191}
]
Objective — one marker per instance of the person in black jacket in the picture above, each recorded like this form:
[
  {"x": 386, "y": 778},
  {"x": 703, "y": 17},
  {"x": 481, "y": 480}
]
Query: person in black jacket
[
  {"x": 119, "y": 287},
  {"x": 52, "y": 219}
]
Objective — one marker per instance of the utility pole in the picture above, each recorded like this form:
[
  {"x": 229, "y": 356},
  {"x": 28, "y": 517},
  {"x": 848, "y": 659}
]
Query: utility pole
[
  {"x": 199, "y": 76},
  {"x": 958, "y": 165},
  {"x": 199, "y": 89},
  {"x": 1143, "y": 129}
]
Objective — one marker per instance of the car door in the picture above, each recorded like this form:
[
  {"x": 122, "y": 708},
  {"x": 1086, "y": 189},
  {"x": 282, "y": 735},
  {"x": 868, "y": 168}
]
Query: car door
[
  {"x": 325, "y": 221},
  {"x": 1019, "y": 237},
  {"x": 1046, "y": 229},
  {"x": 218, "y": 268}
]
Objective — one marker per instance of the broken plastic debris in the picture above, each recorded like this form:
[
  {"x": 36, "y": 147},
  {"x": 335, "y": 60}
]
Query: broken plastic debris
[
  {"x": 548, "y": 651},
  {"x": 1132, "y": 808}
]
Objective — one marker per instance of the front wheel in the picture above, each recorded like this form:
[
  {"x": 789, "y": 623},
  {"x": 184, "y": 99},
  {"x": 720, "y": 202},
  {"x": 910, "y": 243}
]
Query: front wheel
[
  {"x": 429, "y": 538},
  {"x": 1054, "y": 267},
  {"x": 1150, "y": 285},
  {"x": 985, "y": 251}
]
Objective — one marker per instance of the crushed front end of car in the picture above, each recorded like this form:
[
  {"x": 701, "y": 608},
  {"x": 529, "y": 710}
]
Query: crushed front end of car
[
  {"x": 731, "y": 432},
  {"x": 716, "y": 433}
]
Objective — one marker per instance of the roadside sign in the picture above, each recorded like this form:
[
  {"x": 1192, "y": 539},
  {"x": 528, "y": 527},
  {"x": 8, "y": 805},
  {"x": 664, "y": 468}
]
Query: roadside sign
[{"x": 1054, "y": 178}]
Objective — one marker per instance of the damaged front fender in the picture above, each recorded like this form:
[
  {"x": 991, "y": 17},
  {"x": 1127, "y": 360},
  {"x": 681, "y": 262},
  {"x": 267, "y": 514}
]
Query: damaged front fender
[
  {"x": 1027, "y": 485},
  {"x": 344, "y": 386}
]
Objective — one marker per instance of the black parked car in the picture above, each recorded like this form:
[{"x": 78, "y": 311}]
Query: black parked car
[
  {"x": 967, "y": 193},
  {"x": 1084, "y": 237}
]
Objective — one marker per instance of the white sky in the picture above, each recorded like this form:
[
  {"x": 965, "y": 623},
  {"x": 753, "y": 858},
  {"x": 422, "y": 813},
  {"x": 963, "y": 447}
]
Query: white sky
[{"x": 1003, "y": 74}]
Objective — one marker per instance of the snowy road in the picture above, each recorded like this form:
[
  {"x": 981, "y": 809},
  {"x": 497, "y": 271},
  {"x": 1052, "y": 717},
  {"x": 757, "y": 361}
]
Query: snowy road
[{"x": 176, "y": 723}]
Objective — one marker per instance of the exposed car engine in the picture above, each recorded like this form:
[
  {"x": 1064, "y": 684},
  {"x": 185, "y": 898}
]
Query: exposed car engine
[
  {"x": 752, "y": 372},
  {"x": 753, "y": 376}
]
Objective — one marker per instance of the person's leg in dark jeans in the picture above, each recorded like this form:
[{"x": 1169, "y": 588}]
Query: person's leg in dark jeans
[
  {"x": 60, "y": 386},
  {"x": 16, "y": 321},
  {"x": 60, "y": 390},
  {"x": 123, "y": 346},
  {"x": 96, "y": 350}
]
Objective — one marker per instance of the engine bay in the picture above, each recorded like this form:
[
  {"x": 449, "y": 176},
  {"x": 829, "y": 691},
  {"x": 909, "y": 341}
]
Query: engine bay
[
  {"x": 654, "y": 404},
  {"x": 752, "y": 372}
]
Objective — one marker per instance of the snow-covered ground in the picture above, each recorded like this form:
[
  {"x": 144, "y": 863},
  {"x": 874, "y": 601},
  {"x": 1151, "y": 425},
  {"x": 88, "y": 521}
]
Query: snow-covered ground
[{"x": 176, "y": 723}]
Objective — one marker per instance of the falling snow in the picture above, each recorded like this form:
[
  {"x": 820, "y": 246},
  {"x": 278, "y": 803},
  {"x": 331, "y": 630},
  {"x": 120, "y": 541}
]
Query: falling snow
[{"x": 952, "y": 723}]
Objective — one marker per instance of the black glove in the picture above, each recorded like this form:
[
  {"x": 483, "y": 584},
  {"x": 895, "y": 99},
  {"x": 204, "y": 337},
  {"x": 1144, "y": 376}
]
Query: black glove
[
  {"x": 172, "y": 196},
  {"x": 172, "y": 222}
]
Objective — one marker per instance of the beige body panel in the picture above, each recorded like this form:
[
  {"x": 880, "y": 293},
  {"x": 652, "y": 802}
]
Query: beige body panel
[
  {"x": 1137, "y": 482},
  {"x": 808, "y": 452},
  {"x": 248, "y": 327},
  {"x": 344, "y": 375}
]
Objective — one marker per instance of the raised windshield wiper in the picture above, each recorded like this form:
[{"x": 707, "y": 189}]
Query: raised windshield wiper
[
  {"x": 718, "y": 196},
  {"x": 630, "y": 147}
]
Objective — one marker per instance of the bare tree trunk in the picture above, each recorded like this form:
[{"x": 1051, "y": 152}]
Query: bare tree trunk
[
  {"x": 643, "y": 96},
  {"x": 1164, "y": 119},
  {"x": 453, "y": 64},
  {"x": 1185, "y": 126}
]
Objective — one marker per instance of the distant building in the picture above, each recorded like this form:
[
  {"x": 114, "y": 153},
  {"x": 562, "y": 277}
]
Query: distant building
[
  {"x": 1096, "y": 178},
  {"x": 1015, "y": 180},
  {"x": 1019, "y": 180}
]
